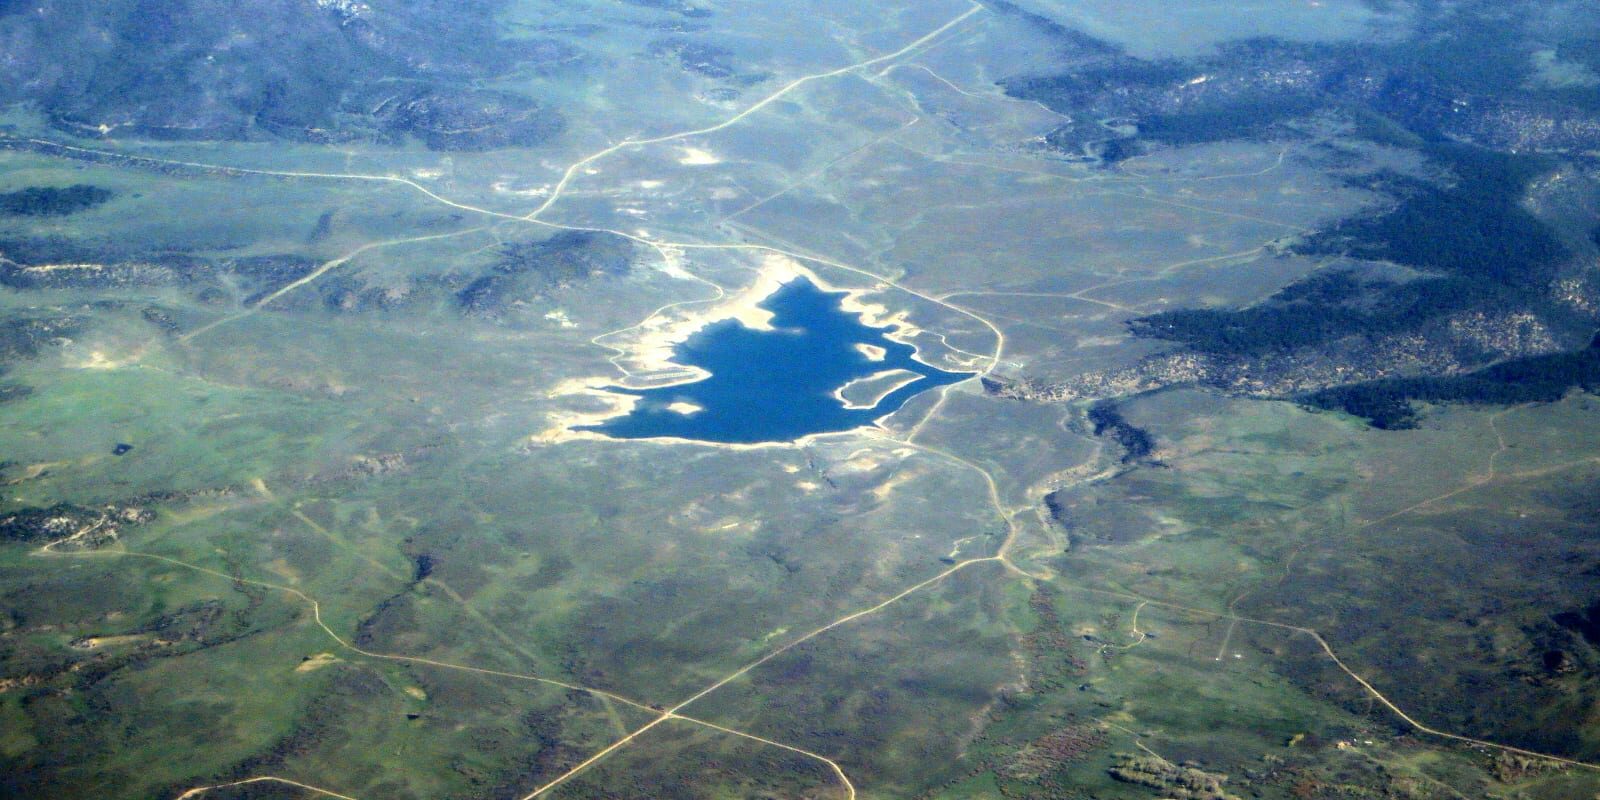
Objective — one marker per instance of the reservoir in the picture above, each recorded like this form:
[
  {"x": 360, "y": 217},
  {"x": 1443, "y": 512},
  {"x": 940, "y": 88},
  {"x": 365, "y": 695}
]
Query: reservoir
[{"x": 820, "y": 369}]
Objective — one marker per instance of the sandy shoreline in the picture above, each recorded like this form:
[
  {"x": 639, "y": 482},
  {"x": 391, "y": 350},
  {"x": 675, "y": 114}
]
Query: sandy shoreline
[
  {"x": 881, "y": 384},
  {"x": 646, "y": 359}
]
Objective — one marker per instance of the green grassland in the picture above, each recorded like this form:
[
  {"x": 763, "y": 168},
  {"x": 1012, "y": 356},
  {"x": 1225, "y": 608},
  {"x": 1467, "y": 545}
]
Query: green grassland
[{"x": 359, "y": 565}]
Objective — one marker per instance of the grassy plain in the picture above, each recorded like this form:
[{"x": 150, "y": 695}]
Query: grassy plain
[{"x": 367, "y": 573}]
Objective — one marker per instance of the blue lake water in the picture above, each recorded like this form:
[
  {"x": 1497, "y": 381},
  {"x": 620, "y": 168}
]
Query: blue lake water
[{"x": 777, "y": 385}]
